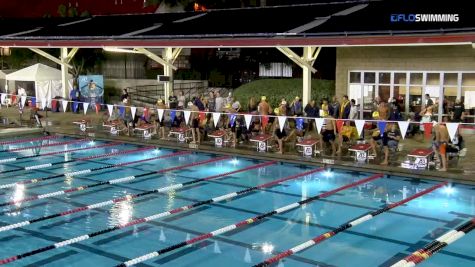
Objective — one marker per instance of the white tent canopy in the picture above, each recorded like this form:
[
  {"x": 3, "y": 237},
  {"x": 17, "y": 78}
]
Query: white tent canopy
[{"x": 47, "y": 80}]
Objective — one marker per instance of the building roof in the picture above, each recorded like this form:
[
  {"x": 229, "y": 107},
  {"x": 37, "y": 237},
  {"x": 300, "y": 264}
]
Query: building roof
[{"x": 326, "y": 24}]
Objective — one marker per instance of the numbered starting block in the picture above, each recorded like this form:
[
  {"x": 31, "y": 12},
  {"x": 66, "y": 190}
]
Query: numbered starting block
[
  {"x": 418, "y": 159},
  {"x": 361, "y": 152},
  {"x": 144, "y": 131},
  {"x": 182, "y": 134},
  {"x": 218, "y": 138},
  {"x": 261, "y": 141},
  {"x": 112, "y": 128},
  {"x": 309, "y": 146},
  {"x": 83, "y": 125}
]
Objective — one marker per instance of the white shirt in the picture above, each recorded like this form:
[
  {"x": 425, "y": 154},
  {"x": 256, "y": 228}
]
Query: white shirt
[
  {"x": 21, "y": 91},
  {"x": 219, "y": 102}
]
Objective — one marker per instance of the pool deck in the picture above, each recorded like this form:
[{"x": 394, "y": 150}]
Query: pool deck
[{"x": 461, "y": 170}]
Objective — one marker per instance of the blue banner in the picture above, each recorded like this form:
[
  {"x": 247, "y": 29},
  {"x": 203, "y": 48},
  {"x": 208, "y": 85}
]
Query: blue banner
[
  {"x": 121, "y": 111},
  {"x": 33, "y": 101},
  {"x": 75, "y": 106},
  {"x": 299, "y": 124},
  {"x": 172, "y": 115},
  {"x": 381, "y": 127},
  {"x": 232, "y": 119}
]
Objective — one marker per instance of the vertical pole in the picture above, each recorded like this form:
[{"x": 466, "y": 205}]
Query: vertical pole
[
  {"x": 168, "y": 71},
  {"x": 307, "y": 76},
  {"x": 441, "y": 97},
  {"x": 64, "y": 71},
  {"x": 408, "y": 88}
]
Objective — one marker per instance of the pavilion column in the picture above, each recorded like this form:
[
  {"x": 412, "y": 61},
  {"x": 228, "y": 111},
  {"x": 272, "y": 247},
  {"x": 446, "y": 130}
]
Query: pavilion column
[
  {"x": 64, "y": 71},
  {"x": 168, "y": 71}
]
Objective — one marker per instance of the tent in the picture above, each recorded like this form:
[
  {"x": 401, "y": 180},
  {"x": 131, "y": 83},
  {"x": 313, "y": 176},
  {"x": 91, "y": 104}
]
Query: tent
[
  {"x": 2, "y": 80},
  {"x": 47, "y": 80}
]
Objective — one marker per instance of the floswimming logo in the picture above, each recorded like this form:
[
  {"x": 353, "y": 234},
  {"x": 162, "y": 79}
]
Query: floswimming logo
[{"x": 411, "y": 18}]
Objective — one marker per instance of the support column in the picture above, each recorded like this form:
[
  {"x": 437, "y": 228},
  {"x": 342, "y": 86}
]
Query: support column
[
  {"x": 307, "y": 76},
  {"x": 168, "y": 71},
  {"x": 64, "y": 71}
]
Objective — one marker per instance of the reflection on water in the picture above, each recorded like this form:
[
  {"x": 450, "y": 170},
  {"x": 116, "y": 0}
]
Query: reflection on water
[
  {"x": 18, "y": 194},
  {"x": 121, "y": 213}
]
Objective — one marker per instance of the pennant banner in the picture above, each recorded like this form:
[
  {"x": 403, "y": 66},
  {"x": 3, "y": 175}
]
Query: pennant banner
[
  {"x": 13, "y": 99},
  {"x": 133, "y": 110},
  {"x": 43, "y": 103},
  {"x": 264, "y": 121},
  {"x": 85, "y": 107},
  {"x": 65, "y": 105},
  {"x": 216, "y": 116},
  {"x": 110, "y": 108},
  {"x": 339, "y": 124},
  {"x": 187, "y": 116},
  {"x": 146, "y": 113},
  {"x": 122, "y": 111},
  {"x": 299, "y": 124},
  {"x": 172, "y": 115},
  {"x": 75, "y": 106},
  {"x": 33, "y": 102},
  {"x": 359, "y": 126},
  {"x": 202, "y": 116},
  {"x": 160, "y": 114},
  {"x": 98, "y": 108},
  {"x": 428, "y": 129},
  {"x": 319, "y": 124},
  {"x": 2, "y": 98},
  {"x": 452, "y": 129},
  {"x": 248, "y": 119},
  {"x": 381, "y": 127},
  {"x": 54, "y": 105},
  {"x": 282, "y": 122},
  {"x": 232, "y": 119},
  {"x": 23, "y": 101},
  {"x": 403, "y": 125}
]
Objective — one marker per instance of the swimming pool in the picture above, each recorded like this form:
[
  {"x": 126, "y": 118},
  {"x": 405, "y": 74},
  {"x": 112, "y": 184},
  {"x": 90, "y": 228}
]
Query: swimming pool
[{"x": 57, "y": 210}]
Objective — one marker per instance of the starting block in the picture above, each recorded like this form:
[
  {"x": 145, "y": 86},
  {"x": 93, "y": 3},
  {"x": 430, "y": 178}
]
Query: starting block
[
  {"x": 309, "y": 146},
  {"x": 361, "y": 152},
  {"x": 418, "y": 159},
  {"x": 261, "y": 141},
  {"x": 145, "y": 131},
  {"x": 218, "y": 137},
  {"x": 83, "y": 125},
  {"x": 182, "y": 134},
  {"x": 113, "y": 128}
]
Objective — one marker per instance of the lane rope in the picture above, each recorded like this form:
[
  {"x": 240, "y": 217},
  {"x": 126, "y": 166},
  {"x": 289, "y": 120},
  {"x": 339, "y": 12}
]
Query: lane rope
[
  {"x": 113, "y": 181},
  {"x": 42, "y": 146},
  {"x": 60, "y": 152},
  {"x": 345, "y": 226},
  {"x": 435, "y": 246},
  {"x": 74, "y": 173},
  {"x": 153, "y": 217},
  {"x": 246, "y": 222},
  {"x": 17, "y": 141}
]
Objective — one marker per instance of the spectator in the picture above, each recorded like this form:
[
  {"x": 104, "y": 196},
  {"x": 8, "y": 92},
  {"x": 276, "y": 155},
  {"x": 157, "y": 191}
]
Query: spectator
[
  {"x": 229, "y": 99},
  {"x": 390, "y": 140},
  {"x": 235, "y": 105},
  {"x": 395, "y": 113},
  {"x": 219, "y": 101},
  {"x": 197, "y": 102},
  {"x": 211, "y": 102},
  {"x": 458, "y": 111},
  {"x": 173, "y": 102},
  {"x": 264, "y": 108},
  {"x": 296, "y": 107},
  {"x": 334, "y": 108},
  {"x": 353, "y": 110},
  {"x": 345, "y": 108},
  {"x": 252, "y": 105},
  {"x": 195, "y": 123},
  {"x": 429, "y": 101},
  {"x": 181, "y": 100},
  {"x": 125, "y": 94},
  {"x": 311, "y": 110},
  {"x": 75, "y": 96},
  {"x": 283, "y": 108}
]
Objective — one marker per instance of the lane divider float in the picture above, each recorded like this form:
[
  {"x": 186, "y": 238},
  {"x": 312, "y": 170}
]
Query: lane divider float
[
  {"x": 435, "y": 246},
  {"x": 345, "y": 226},
  {"x": 74, "y": 173},
  {"x": 42, "y": 146},
  {"x": 29, "y": 139},
  {"x": 246, "y": 222},
  {"x": 60, "y": 152},
  {"x": 114, "y": 181},
  {"x": 154, "y": 217}
]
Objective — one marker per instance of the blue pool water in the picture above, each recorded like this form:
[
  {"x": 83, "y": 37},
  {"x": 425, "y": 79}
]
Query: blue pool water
[{"x": 379, "y": 242}]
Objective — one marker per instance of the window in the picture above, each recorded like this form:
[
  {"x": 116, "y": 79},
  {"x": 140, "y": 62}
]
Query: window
[{"x": 355, "y": 77}]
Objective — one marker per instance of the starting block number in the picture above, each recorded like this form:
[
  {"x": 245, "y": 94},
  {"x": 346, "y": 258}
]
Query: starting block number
[
  {"x": 262, "y": 146},
  {"x": 181, "y": 137},
  {"x": 82, "y": 127},
  {"x": 114, "y": 131},
  {"x": 147, "y": 134},
  {"x": 218, "y": 141},
  {"x": 420, "y": 163},
  {"x": 308, "y": 151},
  {"x": 361, "y": 156}
]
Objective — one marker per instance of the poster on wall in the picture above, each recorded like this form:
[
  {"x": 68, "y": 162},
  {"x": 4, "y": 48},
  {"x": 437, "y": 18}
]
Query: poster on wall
[{"x": 92, "y": 88}]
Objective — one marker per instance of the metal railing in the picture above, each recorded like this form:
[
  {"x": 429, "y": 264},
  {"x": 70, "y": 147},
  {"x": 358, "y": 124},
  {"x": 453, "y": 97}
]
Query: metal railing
[{"x": 149, "y": 94}]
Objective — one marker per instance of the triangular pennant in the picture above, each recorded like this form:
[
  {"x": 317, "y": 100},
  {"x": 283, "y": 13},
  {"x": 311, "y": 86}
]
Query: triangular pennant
[
  {"x": 264, "y": 121},
  {"x": 172, "y": 115},
  {"x": 359, "y": 126},
  {"x": 133, "y": 110},
  {"x": 110, "y": 108},
  {"x": 33, "y": 101},
  {"x": 232, "y": 119},
  {"x": 382, "y": 127},
  {"x": 403, "y": 125},
  {"x": 75, "y": 106},
  {"x": 23, "y": 100},
  {"x": 202, "y": 116},
  {"x": 339, "y": 125},
  {"x": 216, "y": 116},
  {"x": 160, "y": 114},
  {"x": 319, "y": 124},
  {"x": 428, "y": 129},
  {"x": 187, "y": 116},
  {"x": 85, "y": 107},
  {"x": 98, "y": 108},
  {"x": 281, "y": 122},
  {"x": 146, "y": 113},
  {"x": 65, "y": 105},
  {"x": 13, "y": 98},
  {"x": 121, "y": 111},
  {"x": 2, "y": 98},
  {"x": 54, "y": 104},
  {"x": 299, "y": 124},
  {"x": 43, "y": 103},
  {"x": 248, "y": 119},
  {"x": 452, "y": 129}
]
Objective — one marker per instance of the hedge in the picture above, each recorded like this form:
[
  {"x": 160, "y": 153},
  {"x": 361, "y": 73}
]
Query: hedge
[{"x": 276, "y": 89}]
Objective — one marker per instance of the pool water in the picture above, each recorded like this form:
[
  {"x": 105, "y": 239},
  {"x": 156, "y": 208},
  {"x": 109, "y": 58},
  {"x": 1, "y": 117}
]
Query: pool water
[{"x": 381, "y": 241}]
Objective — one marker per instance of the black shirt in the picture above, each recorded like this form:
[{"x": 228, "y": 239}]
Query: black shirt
[
  {"x": 458, "y": 110},
  {"x": 173, "y": 102}
]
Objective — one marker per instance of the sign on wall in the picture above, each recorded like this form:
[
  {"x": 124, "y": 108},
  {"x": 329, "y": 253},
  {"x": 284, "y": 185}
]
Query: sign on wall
[{"x": 92, "y": 88}]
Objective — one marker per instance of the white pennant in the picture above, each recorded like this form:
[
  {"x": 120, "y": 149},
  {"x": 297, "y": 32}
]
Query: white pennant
[
  {"x": 282, "y": 122},
  {"x": 319, "y": 123},
  {"x": 216, "y": 116},
  {"x": 43, "y": 103},
  {"x": 187, "y": 116},
  {"x": 160, "y": 114},
  {"x": 403, "y": 125},
  {"x": 23, "y": 100},
  {"x": 2, "y": 98},
  {"x": 65, "y": 105},
  {"x": 248, "y": 119},
  {"x": 110, "y": 108},
  {"x": 359, "y": 126},
  {"x": 452, "y": 129},
  {"x": 85, "y": 106},
  {"x": 133, "y": 110}
]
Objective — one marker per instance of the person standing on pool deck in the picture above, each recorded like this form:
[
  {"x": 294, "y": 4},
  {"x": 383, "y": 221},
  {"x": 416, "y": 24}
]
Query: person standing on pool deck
[
  {"x": 195, "y": 123},
  {"x": 440, "y": 144},
  {"x": 328, "y": 130}
]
